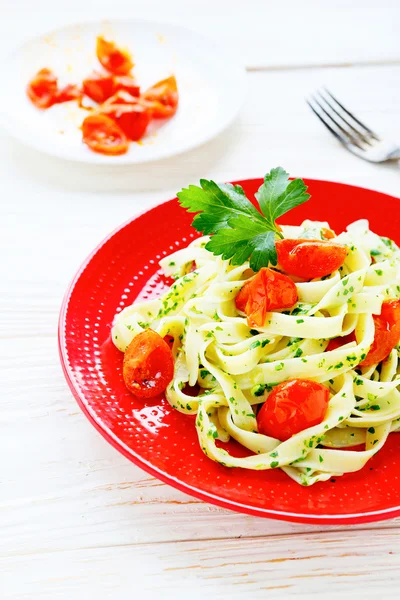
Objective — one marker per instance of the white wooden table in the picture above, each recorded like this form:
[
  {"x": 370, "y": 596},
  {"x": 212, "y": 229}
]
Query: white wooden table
[{"x": 77, "y": 519}]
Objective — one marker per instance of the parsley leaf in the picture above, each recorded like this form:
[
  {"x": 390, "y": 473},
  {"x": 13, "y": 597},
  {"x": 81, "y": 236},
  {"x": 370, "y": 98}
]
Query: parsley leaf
[
  {"x": 247, "y": 239},
  {"x": 239, "y": 231},
  {"x": 219, "y": 204},
  {"x": 278, "y": 195}
]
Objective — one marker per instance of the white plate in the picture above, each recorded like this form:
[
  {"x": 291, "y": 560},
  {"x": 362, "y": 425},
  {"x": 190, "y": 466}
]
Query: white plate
[{"x": 210, "y": 79}]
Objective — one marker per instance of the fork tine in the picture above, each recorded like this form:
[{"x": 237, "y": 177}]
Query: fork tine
[
  {"x": 351, "y": 139},
  {"x": 365, "y": 137},
  {"x": 341, "y": 139},
  {"x": 374, "y": 135}
]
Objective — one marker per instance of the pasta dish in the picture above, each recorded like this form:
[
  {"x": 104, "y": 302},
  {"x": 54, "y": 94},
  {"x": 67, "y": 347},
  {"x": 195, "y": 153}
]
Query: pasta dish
[{"x": 286, "y": 343}]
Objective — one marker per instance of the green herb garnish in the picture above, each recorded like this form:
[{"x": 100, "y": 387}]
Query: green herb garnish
[{"x": 239, "y": 231}]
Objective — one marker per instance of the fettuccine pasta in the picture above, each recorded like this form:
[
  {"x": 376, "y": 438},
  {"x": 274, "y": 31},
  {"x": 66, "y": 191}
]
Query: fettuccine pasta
[{"x": 236, "y": 366}]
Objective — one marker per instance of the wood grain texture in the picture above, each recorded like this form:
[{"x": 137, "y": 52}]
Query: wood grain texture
[
  {"x": 317, "y": 564},
  {"x": 77, "y": 520}
]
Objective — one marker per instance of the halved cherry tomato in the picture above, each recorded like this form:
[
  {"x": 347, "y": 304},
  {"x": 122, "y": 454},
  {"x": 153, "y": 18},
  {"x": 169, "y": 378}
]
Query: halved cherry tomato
[
  {"x": 269, "y": 290},
  {"x": 112, "y": 58},
  {"x": 148, "y": 365},
  {"x": 42, "y": 88},
  {"x": 291, "y": 407},
  {"x": 163, "y": 97},
  {"x": 309, "y": 258},
  {"x": 387, "y": 333},
  {"x": 127, "y": 84},
  {"x": 99, "y": 86},
  {"x": 67, "y": 93},
  {"x": 103, "y": 135},
  {"x": 121, "y": 97},
  {"x": 328, "y": 234},
  {"x": 131, "y": 118}
]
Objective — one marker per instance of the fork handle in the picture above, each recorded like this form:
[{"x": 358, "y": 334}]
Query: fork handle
[{"x": 394, "y": 154}]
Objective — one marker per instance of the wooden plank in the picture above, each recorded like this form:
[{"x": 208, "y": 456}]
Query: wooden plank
[
  {"x": 304, "y": 566},
  {"x": 263, "y": 34}
]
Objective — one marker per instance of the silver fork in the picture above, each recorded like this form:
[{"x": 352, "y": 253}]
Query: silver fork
[{"x": 350, "y": 131}]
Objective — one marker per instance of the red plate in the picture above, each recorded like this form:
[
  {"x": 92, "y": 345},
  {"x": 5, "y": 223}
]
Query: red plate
[{"x": 163, "y": 441}]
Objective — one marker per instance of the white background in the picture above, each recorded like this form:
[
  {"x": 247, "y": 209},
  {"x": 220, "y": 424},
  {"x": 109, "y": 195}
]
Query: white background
[{"x": 78, "y": 520}]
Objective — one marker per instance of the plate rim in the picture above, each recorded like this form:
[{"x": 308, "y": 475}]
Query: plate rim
[
  {"x": 97, "y": 159},
  {"x": 109, "y": 436}
]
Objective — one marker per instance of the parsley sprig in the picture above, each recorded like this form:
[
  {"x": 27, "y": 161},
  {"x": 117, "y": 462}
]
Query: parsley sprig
[{"x": 239, "y": 231}]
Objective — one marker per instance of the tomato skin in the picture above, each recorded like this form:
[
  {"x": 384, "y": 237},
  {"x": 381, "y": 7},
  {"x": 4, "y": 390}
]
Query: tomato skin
[
  {"x": 163, "y": 97},
  {"x": 169, "y": 339},
  {"x": 192, "y": 391},
  {"x": 68, "y": 93},
  {"x": 387, "y": 333},
  {"x": 99, "y": 86},
  {"x": 127, "y": 84},
  {"x": 103, "y": 135},
  {"x": 291, "y": 407},
  {"x": 148, "y": 365},
  {"x": 338, "y": 342},
  {"x": 131, "y": 118},
  {"x": 115, "y": 60},
  {"x": 310, "y": 258},
  {"x": 42, "y": 89},
  {"x": 268, "y": 290}
]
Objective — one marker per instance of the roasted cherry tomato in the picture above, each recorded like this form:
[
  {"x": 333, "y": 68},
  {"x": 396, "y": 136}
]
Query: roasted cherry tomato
[
  {"x": 192, "y": 390},
  {"x": 268, "y": 290},
  {"x": 131, "y": 118},
  {"x": 387, "y": 333},
  {"x": 340, "y": 341},
  {"x": 127, "y": 84},
  {"x": 169, "y": 339},
  {"x": 291, "y": 407},
  {"x": 99, "y": 86},
  {"x": 309, "y": 258},
  {"x": 148, "y": 365},
  {"x": 103, "y": 135},
  {"x": 67, "y": 93},
  {"x": 163, "y": 98},
  {"x": 112, "y": 58},
  {"x": 42, "y": 89},
  {"x": 121, "y": 97}
]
